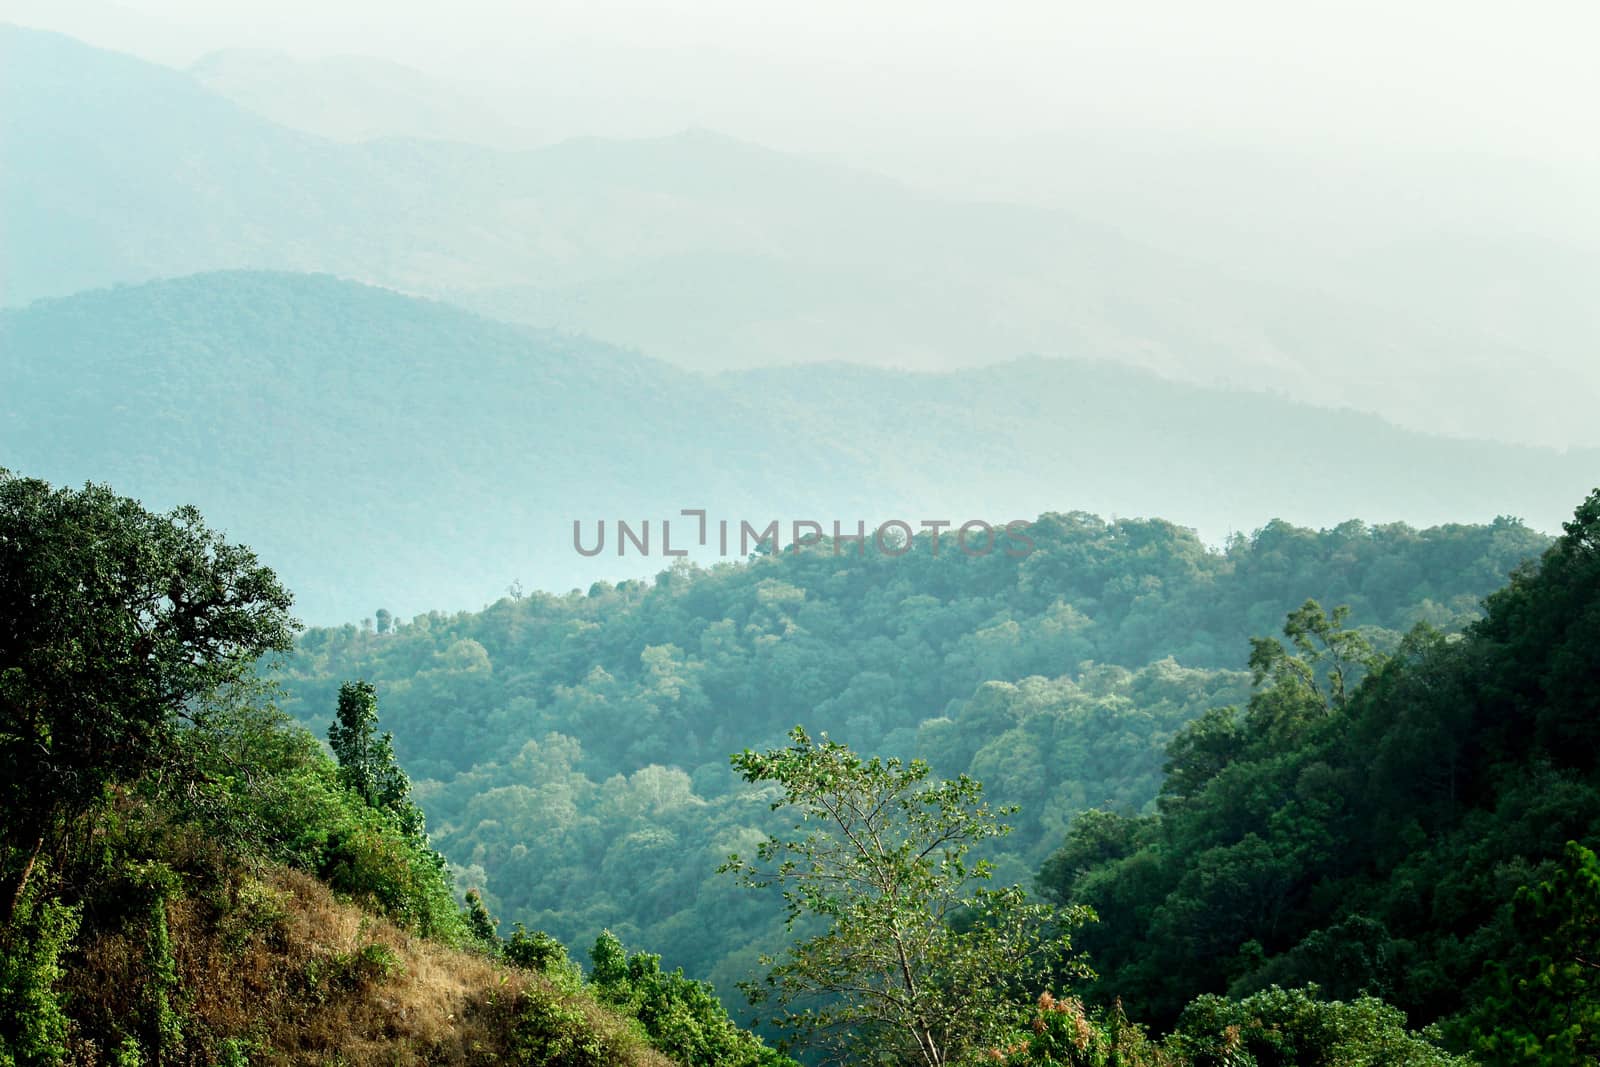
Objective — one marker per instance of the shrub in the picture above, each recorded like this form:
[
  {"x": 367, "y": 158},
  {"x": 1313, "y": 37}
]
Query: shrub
[
  {"x": 1293, "y": 1028},
  {"x": 33, "y": 1026},
  {"x": 553, "y": 1032},
  {"x": 682, "y": 1016},
  {"x": 538, "y": 951},
  {"x": 1063, "y": 1033}
]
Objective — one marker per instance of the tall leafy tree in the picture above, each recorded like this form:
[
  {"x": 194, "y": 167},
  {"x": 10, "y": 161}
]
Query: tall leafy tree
[
  {"x": 914, "y": 959},
  {"x": 114, "y": 622},
  {"x": 367, "y": 763},
  {"x": 1314, "y": 674}
]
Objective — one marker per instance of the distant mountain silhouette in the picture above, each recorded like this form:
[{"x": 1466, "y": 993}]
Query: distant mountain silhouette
[
  {"x": 383, "y": 450},
  {"x": 698, "y": 249}
]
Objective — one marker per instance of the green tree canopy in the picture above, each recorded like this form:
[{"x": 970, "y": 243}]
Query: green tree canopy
[
  {"x": 1544, "y": 1006},
  {"x": 114, "y": 621},
  {"x": 916, "y": 961},
  {"x": 367, "y": 763},
  {"x": 1371, "y": 837}
]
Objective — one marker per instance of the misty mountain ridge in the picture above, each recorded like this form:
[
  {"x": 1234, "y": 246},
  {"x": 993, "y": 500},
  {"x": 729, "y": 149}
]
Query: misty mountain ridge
[
  {"x": 356, "y": 98},
  {"x": 446, "y": 454},
  {"x": 698, "y": 249}
]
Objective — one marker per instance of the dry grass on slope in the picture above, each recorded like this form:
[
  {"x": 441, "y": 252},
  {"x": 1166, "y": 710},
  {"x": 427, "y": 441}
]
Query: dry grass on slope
[{"x": 284, "y": 973}]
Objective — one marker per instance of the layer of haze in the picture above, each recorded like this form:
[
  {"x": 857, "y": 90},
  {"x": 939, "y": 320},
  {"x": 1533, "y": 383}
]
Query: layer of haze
[
  {"x": 1432, "y": 160},
  {"x": 844, "y": 76}
]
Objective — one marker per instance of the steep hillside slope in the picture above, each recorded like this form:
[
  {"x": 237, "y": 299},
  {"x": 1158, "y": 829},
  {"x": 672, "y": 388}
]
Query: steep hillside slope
[
  {"x": 1376, "y": 840},
  {"x": 274, "y": 969}
]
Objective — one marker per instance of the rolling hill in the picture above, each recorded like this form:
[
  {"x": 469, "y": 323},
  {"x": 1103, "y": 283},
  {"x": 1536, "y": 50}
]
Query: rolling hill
[{"x": 447, "y": 455}]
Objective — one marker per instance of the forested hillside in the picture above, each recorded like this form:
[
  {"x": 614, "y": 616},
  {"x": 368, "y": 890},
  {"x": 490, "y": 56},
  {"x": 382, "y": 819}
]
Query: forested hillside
[
  {"x": 1393, "y": 831},
  {"x": 189, "y": 878},
  {"x": 1374, "y": 840},
  {"x": 495, "y": 572},
  {"x": 581, "y": 740},
  {"x": 445, "y": 455}
]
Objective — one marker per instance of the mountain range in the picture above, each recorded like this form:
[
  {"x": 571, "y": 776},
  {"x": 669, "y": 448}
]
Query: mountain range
[
  {"x": 446, "y": 455},
  {"x": 703, "y": 251}
]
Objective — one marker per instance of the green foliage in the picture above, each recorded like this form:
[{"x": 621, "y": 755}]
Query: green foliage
[
  {"x": 580, "y": 740},
  {"x": 553, "y": 1030},
  {"x": 346, "y": 972},
  {"x": 481, "y": 926},
  {"x": 916, "y": 960},
  {"x": 1065, "y": 1033},
  {"x": 1374, "y": 833},
  {"x": 359, "y": 852},
  {"x": 253, "y": 777},
  {"x": 538, "y": 951},
  {"x": 163, "y": 1022},
  {"x": 1371, "y": 839},
  {"x": 235, "y": 1052},
  {"x": 33, "y": 1025},
  {"x": 127, "y": 1054},
  {"x": 682, "y": 1017},
  {"x": 167, "y": 877},
  {"x": 1315, "y": 678},
  {"x": 115, "y": 619},
  {"x": 366, "y": 759},
  {"x": 1543, "y": 1004},
  {"x": 1294, "y": 1028}
]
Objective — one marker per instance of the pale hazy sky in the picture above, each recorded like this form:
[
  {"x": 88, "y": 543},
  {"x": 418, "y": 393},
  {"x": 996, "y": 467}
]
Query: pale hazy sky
[{"x": 1518, "y": 79}]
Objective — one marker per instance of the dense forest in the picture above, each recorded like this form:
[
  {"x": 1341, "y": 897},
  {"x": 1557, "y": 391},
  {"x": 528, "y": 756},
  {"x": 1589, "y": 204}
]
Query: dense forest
[
  {"x": 582, "y": 740},
  {"x": 1374, "y": 838},
  {"x": 1363, "y": 832}
]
